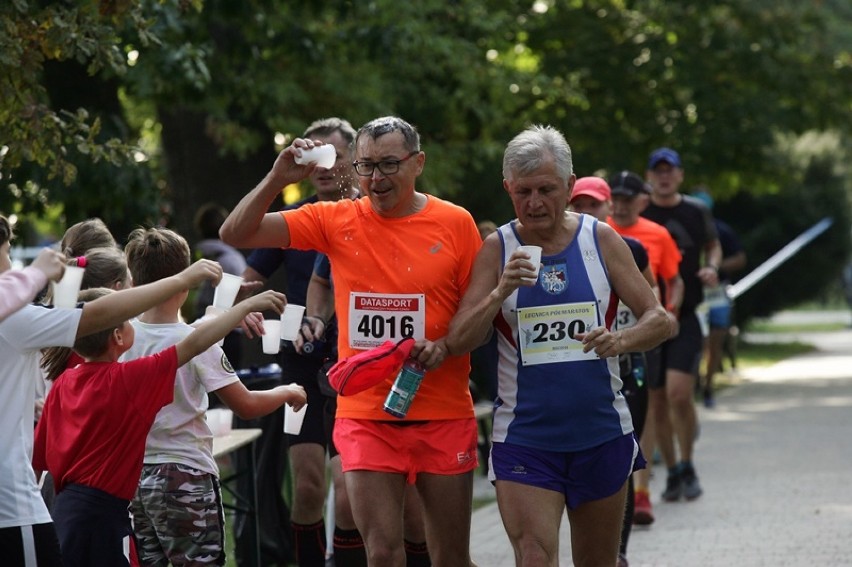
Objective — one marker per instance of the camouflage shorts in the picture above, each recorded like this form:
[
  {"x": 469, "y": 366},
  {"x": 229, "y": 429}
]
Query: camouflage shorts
[{"x": 178, "y": 517}]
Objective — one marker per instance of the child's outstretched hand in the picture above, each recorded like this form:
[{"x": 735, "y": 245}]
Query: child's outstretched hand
[
  {"x": 297, "y": 398},
  {"x": 268, "y": 300},
  {"x": 51, "y": 262},
  {"x": 200, "y": 271}
]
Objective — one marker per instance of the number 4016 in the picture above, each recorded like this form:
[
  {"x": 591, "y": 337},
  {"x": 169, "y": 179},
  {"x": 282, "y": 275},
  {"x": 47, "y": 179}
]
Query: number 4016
[{"x": 376, "y": 325}]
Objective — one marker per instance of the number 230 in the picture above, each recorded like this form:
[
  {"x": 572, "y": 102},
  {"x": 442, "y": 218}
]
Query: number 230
[{"x": 557, "y": 331}]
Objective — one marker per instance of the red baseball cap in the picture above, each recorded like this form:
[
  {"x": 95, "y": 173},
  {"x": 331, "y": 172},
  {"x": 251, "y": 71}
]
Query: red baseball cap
[
  {"x": 593, "y": 187},
  {"x": 366, "y": 369}
]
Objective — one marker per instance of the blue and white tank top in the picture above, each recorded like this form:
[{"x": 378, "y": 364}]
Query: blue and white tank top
[{"x": 550, "y": 395}]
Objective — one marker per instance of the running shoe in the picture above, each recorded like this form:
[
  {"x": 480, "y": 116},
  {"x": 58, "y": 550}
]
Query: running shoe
[
  {"x": 674, "y": 486},
  {"x": 691, "y": 486},
  {"x": 709, "y": 399},
  {"x": 643, "y": 514}
]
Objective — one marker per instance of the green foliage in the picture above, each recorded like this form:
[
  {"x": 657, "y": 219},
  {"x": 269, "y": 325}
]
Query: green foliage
[
  {"x": 48, "y": 143},
  {"x": 205, "y": 87},
  {"x": 768, "y": 221}
]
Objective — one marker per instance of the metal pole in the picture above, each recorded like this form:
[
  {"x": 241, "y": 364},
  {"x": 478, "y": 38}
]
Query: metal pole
[{"x": 778, "y": 258}]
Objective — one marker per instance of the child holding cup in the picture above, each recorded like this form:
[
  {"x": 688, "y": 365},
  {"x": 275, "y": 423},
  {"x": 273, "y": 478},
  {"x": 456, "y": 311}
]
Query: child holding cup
[
  {"x": 179, "y": 447},
  {"x": 95, "y": 422},
  {"x": 23, "y": 334}
]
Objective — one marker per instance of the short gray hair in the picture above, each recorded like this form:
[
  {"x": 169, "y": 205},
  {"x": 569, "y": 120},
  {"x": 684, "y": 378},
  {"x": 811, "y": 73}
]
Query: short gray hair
[
  {"x": 526, "y": 152},
  {"x": 328, "y": 126},
  {"x": 387, "y": 124}
]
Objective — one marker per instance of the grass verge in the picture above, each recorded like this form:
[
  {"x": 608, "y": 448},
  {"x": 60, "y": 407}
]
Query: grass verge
[{"x": 766, "y": 354}]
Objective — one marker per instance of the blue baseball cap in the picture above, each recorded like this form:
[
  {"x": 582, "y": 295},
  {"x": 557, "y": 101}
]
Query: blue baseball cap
[{"x": 667, "y": 155}]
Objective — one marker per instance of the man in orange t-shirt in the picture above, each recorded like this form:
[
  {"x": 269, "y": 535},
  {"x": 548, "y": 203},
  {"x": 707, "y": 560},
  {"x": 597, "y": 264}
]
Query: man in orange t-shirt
[{"x": 401, "y": 263}]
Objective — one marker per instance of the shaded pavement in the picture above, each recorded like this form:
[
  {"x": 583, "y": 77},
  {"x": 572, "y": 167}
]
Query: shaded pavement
[{"x": 774, "y": 458}]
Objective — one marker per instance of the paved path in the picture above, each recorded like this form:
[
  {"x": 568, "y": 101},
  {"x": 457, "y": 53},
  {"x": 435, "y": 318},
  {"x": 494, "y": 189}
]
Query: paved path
[{"x": 774, "y": 458}]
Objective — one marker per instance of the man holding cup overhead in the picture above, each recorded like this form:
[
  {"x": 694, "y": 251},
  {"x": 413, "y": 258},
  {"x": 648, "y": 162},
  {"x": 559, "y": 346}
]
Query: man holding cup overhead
[{"x": 402, "y": 261}]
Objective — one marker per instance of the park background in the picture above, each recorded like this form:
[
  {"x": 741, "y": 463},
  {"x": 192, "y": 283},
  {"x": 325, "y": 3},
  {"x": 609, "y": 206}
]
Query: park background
[{"x": 139, "y": 111}]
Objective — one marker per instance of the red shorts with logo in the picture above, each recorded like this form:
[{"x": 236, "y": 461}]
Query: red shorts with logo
[{"x": 445, "y": 447}]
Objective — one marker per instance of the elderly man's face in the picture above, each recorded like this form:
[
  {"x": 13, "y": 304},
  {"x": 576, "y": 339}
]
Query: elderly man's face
[{"x": 540, "y": 197}]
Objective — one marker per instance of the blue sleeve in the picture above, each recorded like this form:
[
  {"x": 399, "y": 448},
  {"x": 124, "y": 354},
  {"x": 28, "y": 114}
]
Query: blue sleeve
[
  {"x": 322, "y": 267},
  {"x": 266, "y": 260},
  {"x": 728, "y": 239}
]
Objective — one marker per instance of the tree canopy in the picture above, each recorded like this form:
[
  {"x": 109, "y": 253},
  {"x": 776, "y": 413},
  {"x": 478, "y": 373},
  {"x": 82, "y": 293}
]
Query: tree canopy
[{"x": 115, "y": 108}]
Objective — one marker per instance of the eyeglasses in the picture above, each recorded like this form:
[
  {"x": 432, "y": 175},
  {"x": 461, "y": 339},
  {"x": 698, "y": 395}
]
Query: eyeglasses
[{"x": 386, "y": 166}]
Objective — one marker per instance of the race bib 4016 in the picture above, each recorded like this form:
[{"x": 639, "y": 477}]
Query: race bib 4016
[{"x": 378, "y": 317}]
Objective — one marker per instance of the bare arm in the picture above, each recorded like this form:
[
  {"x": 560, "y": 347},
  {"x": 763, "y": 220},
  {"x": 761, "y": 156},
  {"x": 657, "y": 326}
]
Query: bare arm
[
  {"x": 648, "y": 274},
  {"x": 210, "y": 332},
  {"x": 115, "y": 308},
  {"x": 674, "y": 294},
  {"x": 251, "y": 404},
  {"x": 733, "y": 263},
  {"x": 249, "y": 225},
  {"x": 472, "y": 323},
  {"x": 709, "y": 274},
  {"x": 319, "y": 309}
]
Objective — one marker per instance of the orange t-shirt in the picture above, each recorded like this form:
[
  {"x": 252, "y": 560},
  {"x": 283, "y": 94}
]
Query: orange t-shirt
[
  {"x": 390, "y": 275},
  {"x": 663, "y": 253}
]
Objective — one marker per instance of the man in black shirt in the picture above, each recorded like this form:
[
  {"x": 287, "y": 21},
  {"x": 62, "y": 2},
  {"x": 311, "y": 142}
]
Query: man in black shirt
[{"x": 691, "y": 225}]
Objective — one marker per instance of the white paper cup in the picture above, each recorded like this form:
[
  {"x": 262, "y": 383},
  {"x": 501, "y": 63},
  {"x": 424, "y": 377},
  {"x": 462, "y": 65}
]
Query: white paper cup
[
  {"x": 227, "y": 290},
  {"x": 291, "y": 321},
  {"x": 65, "y": 291},
  {"x": 220, "y": 420},
  {"x": 293, "y": 419},
  {"x": 324, "y": 156},
  {"x": 535, "y": 258},
  {"x": 272, "y": 336}
]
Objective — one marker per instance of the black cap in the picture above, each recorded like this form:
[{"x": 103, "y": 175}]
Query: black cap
[{"x": 628, "y": 183}]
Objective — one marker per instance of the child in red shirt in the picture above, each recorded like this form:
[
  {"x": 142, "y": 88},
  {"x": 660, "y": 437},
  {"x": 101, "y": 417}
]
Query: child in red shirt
[{"x": 92, "y": 433}]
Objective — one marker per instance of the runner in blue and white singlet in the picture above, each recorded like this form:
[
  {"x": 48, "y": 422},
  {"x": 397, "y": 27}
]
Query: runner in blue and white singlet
[
  {"x": 550, "y": 393},
  {"x": 562, "y": 438}
]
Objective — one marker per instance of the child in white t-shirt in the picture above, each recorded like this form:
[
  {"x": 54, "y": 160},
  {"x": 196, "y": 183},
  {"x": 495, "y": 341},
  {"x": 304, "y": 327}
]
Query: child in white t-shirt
[{"x": 177, "y": 511}]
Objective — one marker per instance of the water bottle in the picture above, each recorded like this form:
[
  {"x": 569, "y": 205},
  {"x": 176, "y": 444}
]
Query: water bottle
[
  {"x": 404, "y": 387},
  {"x": 638, "y": 363}
]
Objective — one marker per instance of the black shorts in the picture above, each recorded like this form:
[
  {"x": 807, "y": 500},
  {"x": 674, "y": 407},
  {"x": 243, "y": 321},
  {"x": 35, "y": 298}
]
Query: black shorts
[
  {"x": 30, "y": 546},
  {"x": 91, "y": 526},
  {"x": 634, "y": 368},
  {"x": 683, "y": 352},
  {"x": 303, "y": 371},
  {"x": 656, "y": 375}
]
